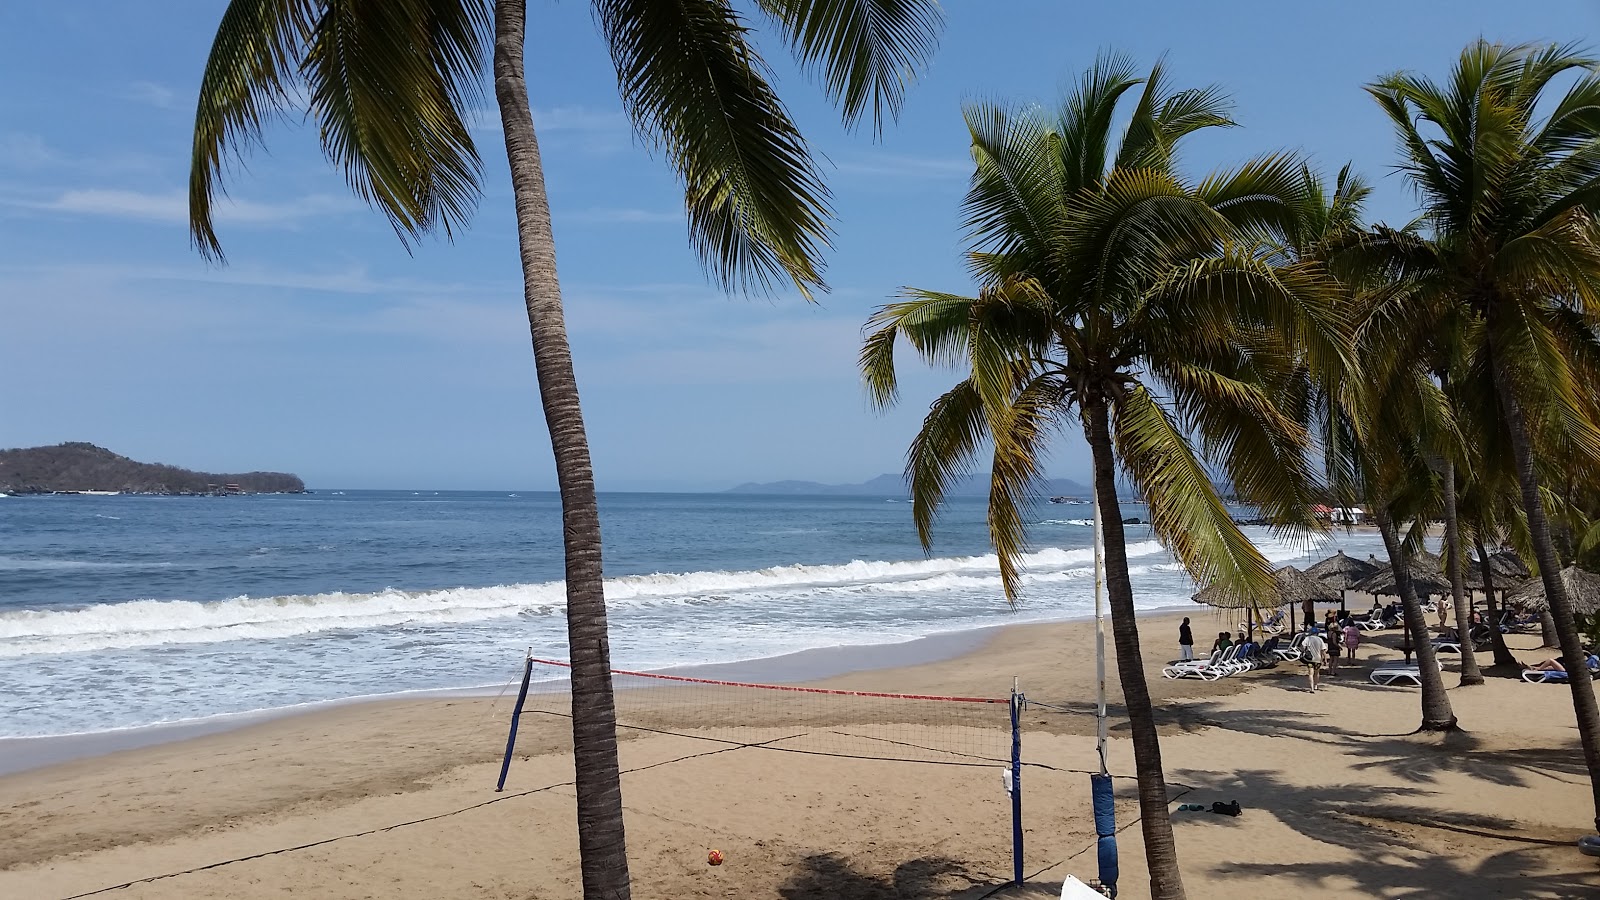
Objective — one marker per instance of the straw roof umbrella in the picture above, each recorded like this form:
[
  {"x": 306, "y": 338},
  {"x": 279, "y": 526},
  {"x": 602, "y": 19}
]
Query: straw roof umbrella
[
  {"x": 1293, "y": 586},
  {"x": 1582, "y": 586},
  {"x": 1341, "y": 572},
  {"x": 1428, "y": 562},
  {"x": 1425, "y": 581},
  {"x": 1507, "y": 564}
]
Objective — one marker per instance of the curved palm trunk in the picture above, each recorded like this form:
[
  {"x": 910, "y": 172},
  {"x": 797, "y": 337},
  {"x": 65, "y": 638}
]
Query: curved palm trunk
[
  {"x": 1497, "y": 638},
  {"x": 1436, "y": 712},
  {"x": 1161, "y": 854},
  {"x": 1452, "y": 540},
  {"x": 1555, "y": 591},
  {"x": 601, "y": 844},
  {"x": 1549, "y": 635}
]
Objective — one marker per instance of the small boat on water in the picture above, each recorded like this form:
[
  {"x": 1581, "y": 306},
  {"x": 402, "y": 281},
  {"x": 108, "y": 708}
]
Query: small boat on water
[{"x": 1070, "y": 501}]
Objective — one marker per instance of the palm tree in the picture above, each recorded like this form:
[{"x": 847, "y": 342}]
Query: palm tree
[
  {"x": 1367, "y": 421},
  {"x": 1509, "y": 201},
  {"x": 388, "y": 83},
  {"x": 1147, "y": 305}
]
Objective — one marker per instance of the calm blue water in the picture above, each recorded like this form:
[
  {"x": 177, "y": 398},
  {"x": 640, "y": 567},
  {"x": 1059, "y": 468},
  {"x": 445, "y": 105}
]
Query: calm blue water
[{"x": 121, "y": 611}]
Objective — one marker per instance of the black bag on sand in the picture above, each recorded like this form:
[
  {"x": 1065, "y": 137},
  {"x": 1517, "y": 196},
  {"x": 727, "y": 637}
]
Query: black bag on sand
[{"x": 1231, "y": 808}]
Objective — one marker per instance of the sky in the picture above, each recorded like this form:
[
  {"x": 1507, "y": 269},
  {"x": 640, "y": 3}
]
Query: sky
[{"x": 324, "y": 348}]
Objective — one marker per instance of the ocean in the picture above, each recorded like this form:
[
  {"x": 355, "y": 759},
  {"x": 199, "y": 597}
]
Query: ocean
[{"x": 122, "y": 611}]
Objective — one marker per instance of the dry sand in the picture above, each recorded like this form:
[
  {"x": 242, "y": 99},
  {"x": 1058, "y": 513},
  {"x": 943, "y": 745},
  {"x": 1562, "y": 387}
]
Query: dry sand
[{"x": 1338, "y": 800}]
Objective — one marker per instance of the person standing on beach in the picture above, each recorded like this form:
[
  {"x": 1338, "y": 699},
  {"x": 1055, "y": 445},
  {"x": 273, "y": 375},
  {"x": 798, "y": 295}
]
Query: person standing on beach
[
  {"x": 1185, "y": 640},
  {"x": 1330, "y": 630},
  {"x": 1315, "y": 652},
  {"x": 1352, "y": 638}
]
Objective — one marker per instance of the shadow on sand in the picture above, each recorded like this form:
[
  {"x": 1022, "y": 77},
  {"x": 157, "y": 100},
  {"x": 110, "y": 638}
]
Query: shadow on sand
[
  {"x": 1384, "y": 826},
  {"x": 830, "y": 875}
]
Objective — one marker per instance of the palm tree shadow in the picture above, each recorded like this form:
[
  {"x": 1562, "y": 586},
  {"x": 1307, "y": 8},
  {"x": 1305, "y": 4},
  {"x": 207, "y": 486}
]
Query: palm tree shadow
[
  {"x": 831, "y": 875},
  {"x": 1376, "y": 825},
  {"x": 1418, "y": 759}
]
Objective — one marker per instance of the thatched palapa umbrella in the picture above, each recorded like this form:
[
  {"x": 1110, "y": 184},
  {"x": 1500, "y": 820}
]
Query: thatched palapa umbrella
[
  {"x": 1506, "y": 564},
  {"x": 1426, "y": 580},
  {"x": 1582, "y": 586},
  {"x": 1341, "y": 572},
  {"x": 1293, "y": 586}
]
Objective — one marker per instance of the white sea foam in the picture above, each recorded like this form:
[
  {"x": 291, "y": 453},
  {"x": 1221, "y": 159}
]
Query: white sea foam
[{"x": 145, "y": 623}]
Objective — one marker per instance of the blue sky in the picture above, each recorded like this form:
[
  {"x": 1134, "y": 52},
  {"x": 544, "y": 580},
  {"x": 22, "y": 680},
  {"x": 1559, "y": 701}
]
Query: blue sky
[{"x": 323, "y": 348}]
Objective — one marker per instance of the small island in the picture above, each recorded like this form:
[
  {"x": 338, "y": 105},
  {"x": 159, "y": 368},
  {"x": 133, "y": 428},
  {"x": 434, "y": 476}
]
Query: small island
[{"x": 81, "y": 468}]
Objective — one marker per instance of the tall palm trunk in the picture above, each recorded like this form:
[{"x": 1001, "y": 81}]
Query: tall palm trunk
[
  {"x": 1555, "y": 591},
  {"x": 1161, "y": 854},
  {"x": 1436, "y": 712},
  {"x": 1549, "y": 635},
  {"x": 1452, "y": 541},
  {"x": 1497, "y": 638},
  {"x": 601, "y": 844}
]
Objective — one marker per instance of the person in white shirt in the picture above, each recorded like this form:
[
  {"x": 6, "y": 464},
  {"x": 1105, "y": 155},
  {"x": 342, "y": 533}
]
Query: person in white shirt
[{"x": 1314, "y": 650}]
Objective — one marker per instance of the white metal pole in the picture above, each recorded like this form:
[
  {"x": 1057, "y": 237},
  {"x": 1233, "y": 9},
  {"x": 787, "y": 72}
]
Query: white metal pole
[{"x": 1100, "y": 634}]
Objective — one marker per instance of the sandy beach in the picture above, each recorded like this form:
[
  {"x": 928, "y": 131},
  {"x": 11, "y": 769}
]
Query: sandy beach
[{"x": 395, "y": 799}]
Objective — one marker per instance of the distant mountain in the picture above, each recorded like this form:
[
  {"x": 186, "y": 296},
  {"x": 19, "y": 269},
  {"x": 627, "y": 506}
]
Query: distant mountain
[
  {"x": 85, "y": 467},
  {"x": 895, "y": 486}
]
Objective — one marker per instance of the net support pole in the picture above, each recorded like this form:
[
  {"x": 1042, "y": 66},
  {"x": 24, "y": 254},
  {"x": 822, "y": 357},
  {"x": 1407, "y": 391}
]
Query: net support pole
[
  {"x": 516, "y": 714},
  {"x": 1016, "y": 783}
]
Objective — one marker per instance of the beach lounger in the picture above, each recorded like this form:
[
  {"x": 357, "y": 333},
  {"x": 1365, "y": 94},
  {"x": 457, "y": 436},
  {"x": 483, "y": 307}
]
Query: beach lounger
[
  {"x": 1292, "y": 651},
  {"x": 1220, "y": 665},
  {"x": 1388, "y": 675},
  {"x": 1186, "y": 668},
  {"x": 1556, "y": 676},
  {"x": 1372, "y": 624}
]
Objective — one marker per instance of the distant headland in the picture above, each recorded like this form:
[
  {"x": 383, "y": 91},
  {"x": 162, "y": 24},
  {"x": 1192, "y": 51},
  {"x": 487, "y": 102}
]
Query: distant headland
[
  {"x": 895, "y": 486},
  {"x": 80, "y": 468}
]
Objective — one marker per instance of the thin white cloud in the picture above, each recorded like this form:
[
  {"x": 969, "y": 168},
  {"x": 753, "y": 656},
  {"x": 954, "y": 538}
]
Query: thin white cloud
[
  {"x": 26, "y": 151},
  {"x": 891, "y": 165},
  {"x": 355, "y": 280},
  {"x": 173, "y": 207},
  {"x": 605, "y": 216},
  {"x": 152, "y": 94}
]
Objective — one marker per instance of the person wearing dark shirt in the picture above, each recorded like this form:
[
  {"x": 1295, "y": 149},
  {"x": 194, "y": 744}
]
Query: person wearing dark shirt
[{"x": 1185, "y": 640}]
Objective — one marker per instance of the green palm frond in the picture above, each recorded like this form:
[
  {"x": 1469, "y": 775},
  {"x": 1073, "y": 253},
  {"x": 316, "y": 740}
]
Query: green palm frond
[
  {"x": 1265, "y": 452},
  {"x": 1261, "y": 198},
  {"x": 1015, "y": 200},
  {"x": 694, "y": 85},
  {"x": 868, "y": 51},
  {"x": 1299, "y": 302},
  {"x": 1083, "y": 128},
  {"x": 1161, "y": 120},
  {"x": 943, "y": 452},
  {"x": 1185, "y": 511},
  {"x": 385, "y": 85},
  {"x": 1021, "y": 431}
]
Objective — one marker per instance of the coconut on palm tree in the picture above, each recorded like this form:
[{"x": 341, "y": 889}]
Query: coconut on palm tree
[
  {"x": 1508, "y": 172},
  {"x": 1150, "y": 307},
  {"x": 388, "y": 84}
]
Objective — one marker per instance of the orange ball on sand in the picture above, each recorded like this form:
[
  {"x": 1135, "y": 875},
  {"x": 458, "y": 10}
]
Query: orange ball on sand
[{"x": 714, "y": 857}]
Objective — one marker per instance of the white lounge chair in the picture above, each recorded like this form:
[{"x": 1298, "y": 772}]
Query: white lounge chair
[
  {"x": 1292, "y": 651},
  {"x": 1387, "y": 675},
  {"x": 1186, "y": 668}
]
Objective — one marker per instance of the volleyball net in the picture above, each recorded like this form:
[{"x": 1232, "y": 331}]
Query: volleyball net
[
  {"x": 862, "y": 724},
  {"x": 868, "y": 725}
]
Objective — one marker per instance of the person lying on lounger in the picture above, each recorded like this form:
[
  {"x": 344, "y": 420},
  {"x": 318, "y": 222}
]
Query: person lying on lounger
[{"x": 1556, "y": 665}]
